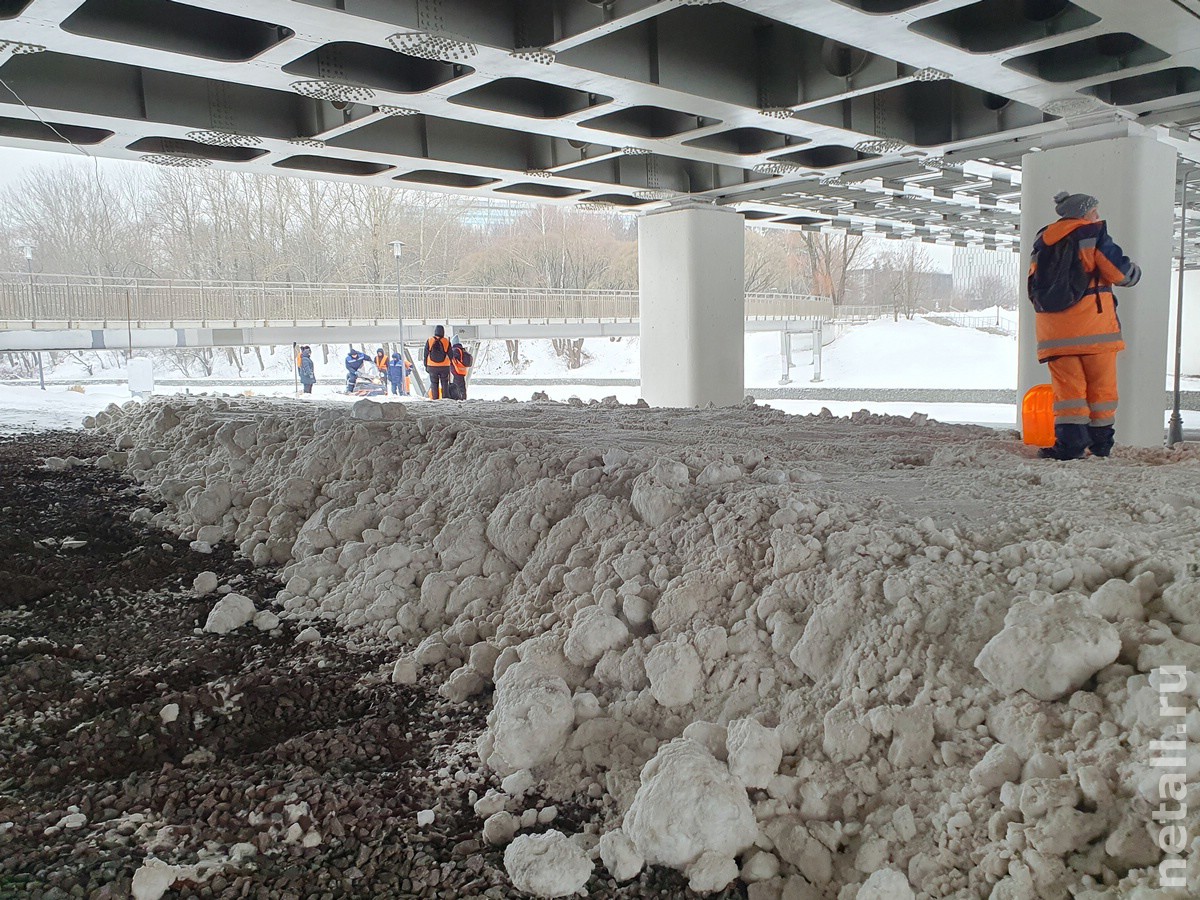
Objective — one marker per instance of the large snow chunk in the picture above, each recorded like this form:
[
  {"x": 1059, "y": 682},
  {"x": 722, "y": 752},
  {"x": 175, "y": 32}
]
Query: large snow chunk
[
  {"x": 711, "y": 872},
  {"x": 230, "y": 613},
  {"x": 754, "y": 752},
  {"x": 523, "y": 517},
  {"x": 592, "y": 634},
  {"x": 620, "y": 856},
  {"x": 673, "y": 668},
  {"x": 1116, "y": 600},
  {"x": 658, "y": 493},
  {"x": 210, "y": 503},
  {"x": 547, "y": 865},
  {"x": 886, "y": 884},
  {"x": 155, "y": 877},
  {"x": 1048, "y": 647},
  {"x": 348, "y": 524},
  {"x": 689, "y": 804},
  {"x": 794, "y": 552},
  {"x": 820, "y": 645},
  {"x": 205, "y": 583},
  {"x": 531, "y": 719},
  {"x": 1182, "y": 601},
  {"x": 367, "y": 411}
]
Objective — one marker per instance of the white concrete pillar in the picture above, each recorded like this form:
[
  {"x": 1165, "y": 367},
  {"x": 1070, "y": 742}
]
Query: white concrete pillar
[
  {"x": 1134, "y": 179},
  {"x": 691, "y": 271}
]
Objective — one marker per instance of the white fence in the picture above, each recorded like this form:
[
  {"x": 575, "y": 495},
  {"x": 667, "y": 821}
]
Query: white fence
[{"x": 42, "y": 301}]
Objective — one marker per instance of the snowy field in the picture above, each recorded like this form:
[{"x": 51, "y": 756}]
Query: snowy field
[
  {"x": 880, "y": 355},
  {"x": 873, "y": 657}
]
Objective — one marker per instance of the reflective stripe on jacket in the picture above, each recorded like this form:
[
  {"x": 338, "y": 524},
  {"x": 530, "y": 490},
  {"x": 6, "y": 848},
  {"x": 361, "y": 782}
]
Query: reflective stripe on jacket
[{"x": 1091, "y": 325}]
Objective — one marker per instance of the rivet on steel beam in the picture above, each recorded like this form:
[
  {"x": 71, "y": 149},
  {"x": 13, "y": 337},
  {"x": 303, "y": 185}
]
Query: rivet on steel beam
[
  {"x": 539, "y": 55},
  {"x": 180, "y": 162},
  {"x": 333, "y": 91}
]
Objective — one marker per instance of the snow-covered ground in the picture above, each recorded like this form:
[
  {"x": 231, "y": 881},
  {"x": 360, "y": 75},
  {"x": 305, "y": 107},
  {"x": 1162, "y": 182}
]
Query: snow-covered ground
[{"x": 872, "y": 657}]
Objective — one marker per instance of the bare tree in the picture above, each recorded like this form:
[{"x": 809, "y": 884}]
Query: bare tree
[
  {"x": 993, "y": 290},
  {"x": 830, "y": 256},
  {"x": 906, "y": 270},
  {"x": 570, "y": 349},
  {"x": 766, "y": 265}
]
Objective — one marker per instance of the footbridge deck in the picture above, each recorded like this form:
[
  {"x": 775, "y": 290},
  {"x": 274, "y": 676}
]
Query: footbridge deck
[{"x": 49, "y": 312}]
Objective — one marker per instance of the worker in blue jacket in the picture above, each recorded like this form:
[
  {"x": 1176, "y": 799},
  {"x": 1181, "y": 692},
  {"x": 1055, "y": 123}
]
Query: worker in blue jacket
[
  {"x": 397, "y": 374},
  {"x": 354, "y": 362},
  {"x": 304, "y": 365}
]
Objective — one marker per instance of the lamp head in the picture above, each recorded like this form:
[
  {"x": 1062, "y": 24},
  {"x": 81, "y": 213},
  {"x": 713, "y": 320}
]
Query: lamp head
[{"x": 396, "y": 246}]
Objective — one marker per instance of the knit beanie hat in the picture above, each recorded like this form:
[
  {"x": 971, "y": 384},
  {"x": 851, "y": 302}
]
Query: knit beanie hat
[
  {"x": 439, "y": 331},
  {"x": 1074, "y": 206}
]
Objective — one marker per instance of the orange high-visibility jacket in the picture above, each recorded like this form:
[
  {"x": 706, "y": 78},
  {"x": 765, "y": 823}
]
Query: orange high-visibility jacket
[
  {"x": 456, "y": 363},
  {"x": 429, "y": 345},
  {"x": 1091, "y": 325}
]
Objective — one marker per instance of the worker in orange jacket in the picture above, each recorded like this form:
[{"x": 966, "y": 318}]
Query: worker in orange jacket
[
  {"x": 381, "y": 364},
  {"x": 435, "y": 355},
  {"x": 461, "y": 361},
  {"x": 1073, "y": 268}
]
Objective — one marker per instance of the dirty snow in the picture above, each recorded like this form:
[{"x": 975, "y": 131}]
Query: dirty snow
[{"x": 817, "y": 654}]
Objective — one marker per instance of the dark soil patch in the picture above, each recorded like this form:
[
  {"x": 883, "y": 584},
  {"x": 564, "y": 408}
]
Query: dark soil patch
[{"x": 300, "y": 751}]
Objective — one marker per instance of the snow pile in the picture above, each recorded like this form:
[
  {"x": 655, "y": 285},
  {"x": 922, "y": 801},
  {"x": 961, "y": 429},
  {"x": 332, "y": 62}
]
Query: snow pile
[
  {"x": 547, "y": 865},
  {"x": 1049, "y": 648},
  {"x": 692, "y": 814},
  {"x": 882, "y": 656}
]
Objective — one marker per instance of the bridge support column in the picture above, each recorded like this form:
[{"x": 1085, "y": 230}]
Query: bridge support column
[
  {"x": 691, "y": 263},
  {"x": 1134, "y": 180}
]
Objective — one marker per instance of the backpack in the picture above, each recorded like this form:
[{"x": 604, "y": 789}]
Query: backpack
[
  {"x": 436, "y": 352},
  {"x": 465, "y": 358},
  {"x": 1059, "y": 281}
]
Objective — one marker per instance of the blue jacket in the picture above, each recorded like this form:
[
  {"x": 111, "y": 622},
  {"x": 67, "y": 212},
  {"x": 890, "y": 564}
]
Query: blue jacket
[
  {"x": 397, "y": 369},
  {"x": 354, "y": 361},
  {"x": 308, "y": 374}
]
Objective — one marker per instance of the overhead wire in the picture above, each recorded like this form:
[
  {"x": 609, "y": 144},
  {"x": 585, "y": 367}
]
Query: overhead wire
[{"x": 38, "y": 116}]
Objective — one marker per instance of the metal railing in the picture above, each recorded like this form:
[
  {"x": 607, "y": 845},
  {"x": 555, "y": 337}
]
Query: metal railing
[
  {"x": 77, "y": 301},
  {"x": 981, "y": 323}
]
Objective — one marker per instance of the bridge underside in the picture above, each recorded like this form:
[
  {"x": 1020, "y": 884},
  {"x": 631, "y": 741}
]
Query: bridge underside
[{"x": 906, "y": 117}]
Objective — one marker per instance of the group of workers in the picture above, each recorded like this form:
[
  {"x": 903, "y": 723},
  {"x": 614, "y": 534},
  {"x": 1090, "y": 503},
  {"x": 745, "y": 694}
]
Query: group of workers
[
  {"x": 393, "y": 371},
  {"x": 1073, "y": 269},
  {"x": 446, "y": 361}
]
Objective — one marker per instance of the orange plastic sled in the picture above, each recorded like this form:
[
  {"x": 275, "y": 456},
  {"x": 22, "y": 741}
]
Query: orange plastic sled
[{"x": 1037, "y": 416}]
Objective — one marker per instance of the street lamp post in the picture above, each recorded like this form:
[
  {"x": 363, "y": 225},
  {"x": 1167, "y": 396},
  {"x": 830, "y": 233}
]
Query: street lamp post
[
  {"x": 1175, "y": 423},
  {"x": 397, "y": 248},
  {"x": 33, "y": 312}
]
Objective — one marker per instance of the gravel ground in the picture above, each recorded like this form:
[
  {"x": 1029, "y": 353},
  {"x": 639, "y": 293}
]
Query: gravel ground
[{"x": 304, "y": 754}]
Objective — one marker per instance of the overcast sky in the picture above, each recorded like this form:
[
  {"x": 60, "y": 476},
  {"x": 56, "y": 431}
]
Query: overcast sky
[{"x": 15, "y": 163}]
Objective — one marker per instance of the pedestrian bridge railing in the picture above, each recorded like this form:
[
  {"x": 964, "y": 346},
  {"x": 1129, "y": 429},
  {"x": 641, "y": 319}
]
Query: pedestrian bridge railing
[{"x": 78, "y": 301}]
